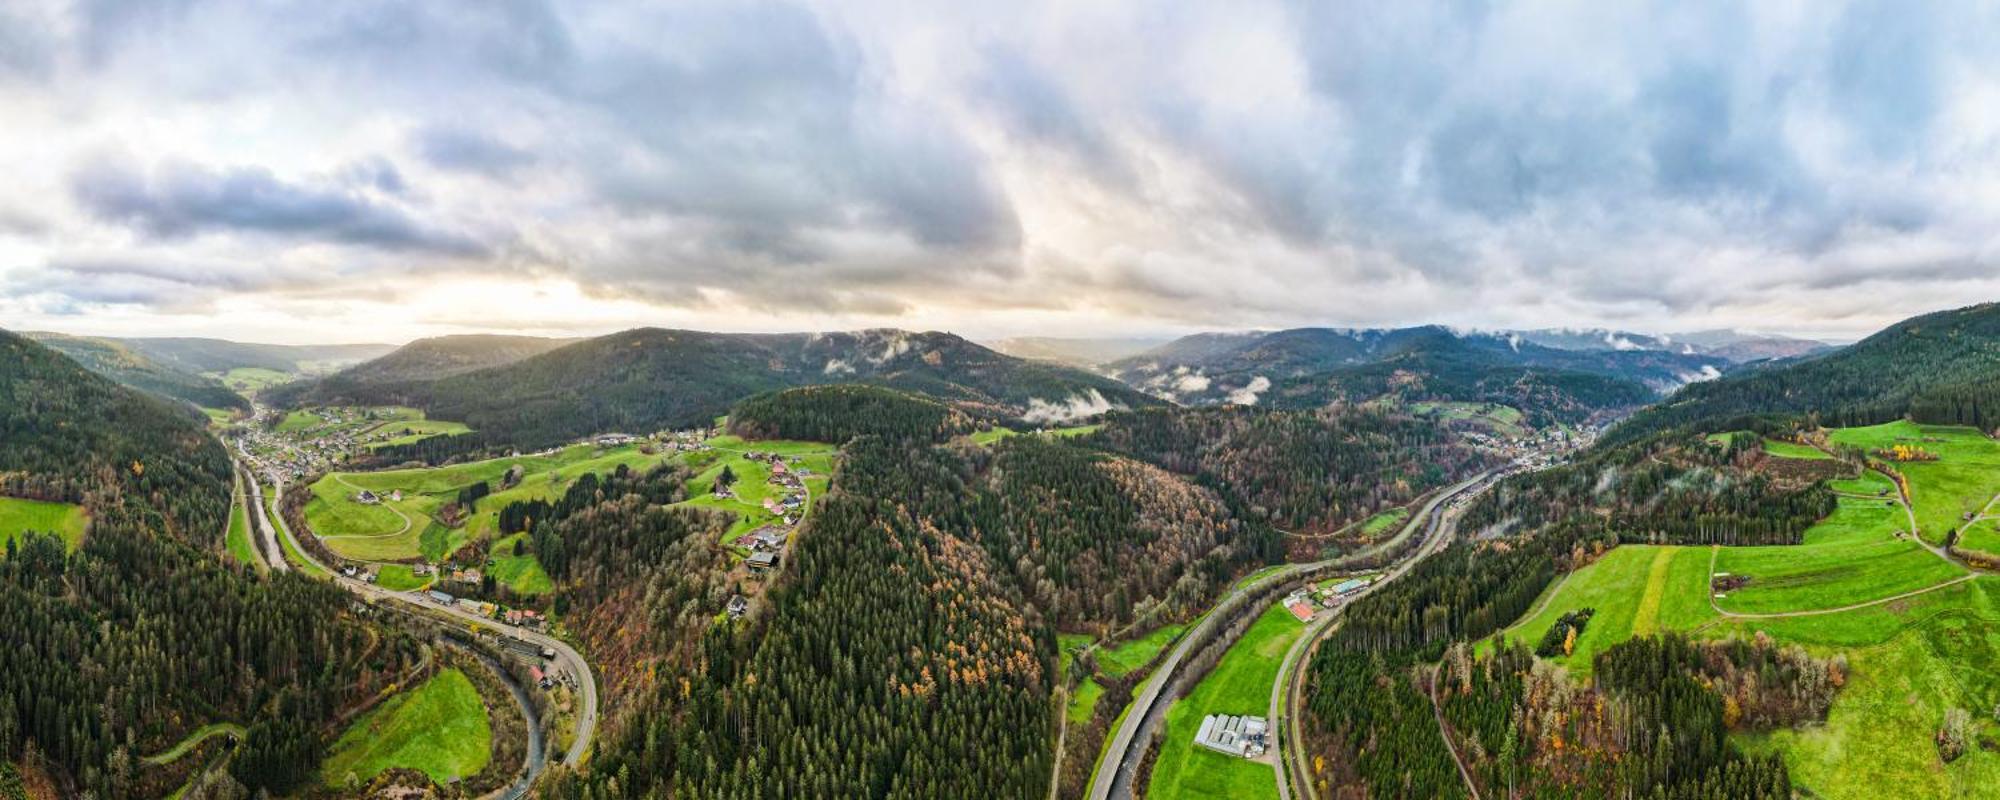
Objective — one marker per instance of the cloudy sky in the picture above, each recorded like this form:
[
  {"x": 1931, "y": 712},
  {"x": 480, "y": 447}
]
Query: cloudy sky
[{"x": 363, "y": 170}]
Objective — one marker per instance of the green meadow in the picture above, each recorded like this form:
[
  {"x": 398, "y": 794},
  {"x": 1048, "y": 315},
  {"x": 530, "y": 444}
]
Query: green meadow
[
  {"x": 438, "y": 728},
  {"x": 65, "y": 520}
]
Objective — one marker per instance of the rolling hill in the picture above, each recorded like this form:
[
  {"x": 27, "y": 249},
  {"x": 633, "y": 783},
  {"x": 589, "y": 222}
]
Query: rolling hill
[
  {"x": 1733, "y": 346},
  {"x": 650, "y": 378},
  {"x": 220, "y": 355},
  {"x": 443, "y": 356},
  {"x": 124, "y": 364},
  {"x": 1942, "y": 367}
]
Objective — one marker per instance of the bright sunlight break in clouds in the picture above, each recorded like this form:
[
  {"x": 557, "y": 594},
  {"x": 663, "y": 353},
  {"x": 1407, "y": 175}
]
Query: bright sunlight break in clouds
[{"x": 364, "y": 170}]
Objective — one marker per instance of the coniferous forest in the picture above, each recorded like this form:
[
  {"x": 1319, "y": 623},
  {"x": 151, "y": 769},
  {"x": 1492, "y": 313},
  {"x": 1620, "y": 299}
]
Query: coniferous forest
[{"x": 140, "y": 635}]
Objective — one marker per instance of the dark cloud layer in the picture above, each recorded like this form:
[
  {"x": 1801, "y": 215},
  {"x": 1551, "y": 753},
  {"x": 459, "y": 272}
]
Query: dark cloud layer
[{"x": 1268, "y": 163}]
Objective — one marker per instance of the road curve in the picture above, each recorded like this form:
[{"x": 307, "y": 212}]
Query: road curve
[
  {"x": 566, "y": 656},
  {"x": 1121, "y": 761}
]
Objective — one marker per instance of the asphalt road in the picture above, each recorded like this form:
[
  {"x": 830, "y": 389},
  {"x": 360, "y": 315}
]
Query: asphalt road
[
  {"x": 1114, "y": 778},
  {"x": 566, "y": 657}
]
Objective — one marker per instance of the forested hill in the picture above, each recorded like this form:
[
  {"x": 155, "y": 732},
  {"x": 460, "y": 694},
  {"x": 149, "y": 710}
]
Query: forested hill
[
  {"x": 124, "y": 645},
  {"x": 116, "y": 360},
  {"x": 650, "y": 378},
  {"x": 1311, "y": 367},
  {"x": 1942, "y": 368},
  {"x": 839, "y": 412},
  {"x": 73, "y": 436},
  {"x": 442, "y": 356}
]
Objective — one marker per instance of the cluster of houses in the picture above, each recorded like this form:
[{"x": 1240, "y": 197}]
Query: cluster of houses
[
  {"x": 366, "y": 497},
  {"x": 1537, "y": 449}
]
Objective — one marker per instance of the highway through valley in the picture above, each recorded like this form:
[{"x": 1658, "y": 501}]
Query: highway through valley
[
  {"x": 1128, "y": 743},
  {"x": 566, "y": 657}
]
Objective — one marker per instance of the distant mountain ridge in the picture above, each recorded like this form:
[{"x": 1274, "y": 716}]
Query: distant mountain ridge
[
  {"x": 442, "y": 356},
  {"x": 650, "y": 378},
  {"x": 1075, "y": 352},
  {"x": 1309, "y": 367},
  {"x": 1734, "y": 346},
  {"x": 221, "y": 355}
]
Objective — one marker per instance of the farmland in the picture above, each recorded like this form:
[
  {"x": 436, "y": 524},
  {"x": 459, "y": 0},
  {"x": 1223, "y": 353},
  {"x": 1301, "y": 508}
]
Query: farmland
[
  {"x": 404, "y": 529},
  {"x": 1963, "y": 479},
  {"x": 65, "y": 520},
  {"x": 1853, "y": 556},
  {"x": 1925, "y": 637},
  {"x": 1239, "y": 684},
  {"x": 439, "y": 728}
]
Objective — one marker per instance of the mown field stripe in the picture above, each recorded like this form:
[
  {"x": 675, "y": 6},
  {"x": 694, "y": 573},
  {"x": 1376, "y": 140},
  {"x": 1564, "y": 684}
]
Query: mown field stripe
[{"x": 1647, "y": 619}]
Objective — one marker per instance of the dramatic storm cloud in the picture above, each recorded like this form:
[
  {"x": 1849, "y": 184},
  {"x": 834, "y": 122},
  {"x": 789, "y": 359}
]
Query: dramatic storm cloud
[{"x": 304, "y": 170}]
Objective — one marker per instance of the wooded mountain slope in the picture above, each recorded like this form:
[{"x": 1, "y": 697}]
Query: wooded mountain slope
[
  {"x": 121, "y": 363},
  {"x": 649, "y": 378},
  {"x": 125, "y": 645},
  {"x": 1940, "y": 368}
]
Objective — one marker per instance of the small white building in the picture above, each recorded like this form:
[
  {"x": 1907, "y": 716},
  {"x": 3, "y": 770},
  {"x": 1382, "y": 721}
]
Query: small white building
[{"x": 1245, "y": 737}]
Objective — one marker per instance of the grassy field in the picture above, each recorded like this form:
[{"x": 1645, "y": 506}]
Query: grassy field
[
  {"x": 401, "y": 578},
  {"x": 1963, "y": 479},
  {"x": 1983, "y": 536},
  {"x": 18, "y": 516},
  {"x": 1853, "y": 556},
  {"x": 439, "y": 727},
  {"x": 376, "y": 532},
  {"x": 987, "y": 437},
  {"x": 1122, "y": 659},
  {"x": 1504, "y": 420},
  {"x": 1790, "y": 450},
  {"x": 238, "y": 540},
  {"x": 1239, "y": 684},
  {"x": 418, "y": 430},
  {"x": 252, "y": 379},
  {"x": 1869, "y": 482},
  {"x": 1879, "y": 731},
  {"x": 520, "y": 573},
  {"x": 1385, "y": 521},
  {"x": 1635, "y": 590}
]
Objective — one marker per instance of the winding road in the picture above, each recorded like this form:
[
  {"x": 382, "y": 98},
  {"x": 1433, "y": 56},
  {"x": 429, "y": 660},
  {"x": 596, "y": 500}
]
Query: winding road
[{"x": 566, "y": 656}]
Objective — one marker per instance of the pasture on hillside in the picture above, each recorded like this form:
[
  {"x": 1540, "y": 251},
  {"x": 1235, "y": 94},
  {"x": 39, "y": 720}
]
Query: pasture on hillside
[
  {"x": 65, "y": 520},
  {"x": 1963, "y": 480},
  {"x": 438, "y": 728},
  {"x": 1933, "y": 647},
  {"x": 1853, "y": 556},
  {"x": 406, "y": 529}
]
